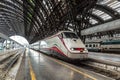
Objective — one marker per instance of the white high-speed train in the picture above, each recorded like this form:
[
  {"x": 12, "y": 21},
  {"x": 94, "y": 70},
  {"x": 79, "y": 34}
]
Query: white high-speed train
[{"x": 64, "y": 44}]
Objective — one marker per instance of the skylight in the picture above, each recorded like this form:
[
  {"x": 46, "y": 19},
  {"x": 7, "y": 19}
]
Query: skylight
[
  {"x": 92, "y": 21},
  {"x": 115, "y": 5},
  {"x": 101, "y": 14}
]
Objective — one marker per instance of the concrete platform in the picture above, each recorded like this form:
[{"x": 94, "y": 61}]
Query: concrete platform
[
  {"x": 105, "y": 56},
  {"x": 43, "y": 67}
]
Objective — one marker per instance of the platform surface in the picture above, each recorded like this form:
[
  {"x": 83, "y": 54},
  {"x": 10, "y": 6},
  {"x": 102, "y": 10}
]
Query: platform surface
[
  {"x": 43, "y": 67},
  {"x": 105, "y": 56}
]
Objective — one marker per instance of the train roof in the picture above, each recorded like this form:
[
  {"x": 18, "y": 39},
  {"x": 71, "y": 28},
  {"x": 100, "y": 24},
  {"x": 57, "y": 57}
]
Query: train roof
[
  {"x": 54, "y": 35},
  {"x": 57, "y": 34},
  {"x": 111, "y": 42},
  {"x": 64, "y": 31},
  {"x": 93, "y": 42}
]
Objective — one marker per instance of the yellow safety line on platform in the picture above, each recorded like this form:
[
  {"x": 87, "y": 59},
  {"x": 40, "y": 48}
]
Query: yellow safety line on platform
[
  {"x": 78, "y": 71},
  {"x": 32, "y": 74}
]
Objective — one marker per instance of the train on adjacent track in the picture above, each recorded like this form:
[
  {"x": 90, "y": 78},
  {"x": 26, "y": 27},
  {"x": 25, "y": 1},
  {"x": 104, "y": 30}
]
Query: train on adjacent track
[
  {"x": 104, "y": 46},
  {"x": 64, "y": 44}
]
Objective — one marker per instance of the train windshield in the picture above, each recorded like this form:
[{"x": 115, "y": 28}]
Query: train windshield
[{"x": 70, "y": 35}]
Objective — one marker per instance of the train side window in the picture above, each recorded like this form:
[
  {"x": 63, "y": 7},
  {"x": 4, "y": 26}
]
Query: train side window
[
  {"x": 70, "y": 35},
  {"x": 93, "y": 45},
  {"x": 90, "y": 45}
]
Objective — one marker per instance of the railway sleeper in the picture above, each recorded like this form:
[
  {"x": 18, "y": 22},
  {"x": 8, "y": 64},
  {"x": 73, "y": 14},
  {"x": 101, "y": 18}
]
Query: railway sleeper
[
  {"x": 7, "y": 61},
  {"x": 10, "y": 62},
  {"x": 9, "y": 66}
]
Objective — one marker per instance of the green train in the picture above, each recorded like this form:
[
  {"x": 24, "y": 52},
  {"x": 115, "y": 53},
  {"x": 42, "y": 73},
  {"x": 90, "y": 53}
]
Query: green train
[{"x": 108, "y": 45}]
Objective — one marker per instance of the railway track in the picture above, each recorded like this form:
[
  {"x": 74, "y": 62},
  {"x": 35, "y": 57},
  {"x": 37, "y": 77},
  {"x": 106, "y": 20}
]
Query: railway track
[
  {"x": 7, "y": 64},
  {"x": 102, "y": 67}
]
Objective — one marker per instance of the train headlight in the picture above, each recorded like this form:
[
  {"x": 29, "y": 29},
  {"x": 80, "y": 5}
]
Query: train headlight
[
  {"x": 77, "y": 49},
  {"x": 85, "y": 49},
  {"x": 72, "y": 49}
]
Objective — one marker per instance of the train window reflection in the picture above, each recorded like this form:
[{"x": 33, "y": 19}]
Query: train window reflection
[
  {"x": 93, "y": 45},
  {"x": 70, "y": 35}
]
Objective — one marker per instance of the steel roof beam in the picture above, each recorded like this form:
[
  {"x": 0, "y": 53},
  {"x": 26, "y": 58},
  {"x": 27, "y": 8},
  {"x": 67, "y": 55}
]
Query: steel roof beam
[
  {"x": 33, "y": 17},
  {"x": 7, "y": 3},
  {"x": 113, "y": 25},
  {"x": 9, "y": 13},
  {"x": 12, "y": 16},
  {"x": 9, "y": 24},
  {"x": 99, "y": 19},
  {"x": 38, "y": 6},
  {"x": 114, "y": 14},
  {"x": 10, "y": 9}
]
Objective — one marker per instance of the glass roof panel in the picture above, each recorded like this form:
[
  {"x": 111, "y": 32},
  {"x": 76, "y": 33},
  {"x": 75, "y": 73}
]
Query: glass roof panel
[
  {"x": 118, "y": 9},
  {"x": 10, "y": 1},
  {"x": 93, "y": 21},
  {"x": 115, "y": 5},
  {"x": 104, "y": 1},
  {"x": 98, "y": 12},
  {"x": 106, "y": 17},
  {"x": 101, "y": 14}
]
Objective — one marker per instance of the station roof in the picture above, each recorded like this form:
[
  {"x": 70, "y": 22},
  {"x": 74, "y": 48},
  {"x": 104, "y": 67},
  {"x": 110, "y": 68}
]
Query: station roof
[{"x": 37, "y": 19}]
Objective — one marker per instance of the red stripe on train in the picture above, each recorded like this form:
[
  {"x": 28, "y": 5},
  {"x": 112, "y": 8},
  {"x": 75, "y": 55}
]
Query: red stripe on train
[
  {"x": 57, "y": 50},
  {"x": 63, "y": 43}
]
